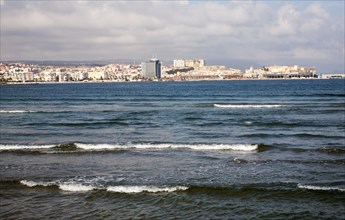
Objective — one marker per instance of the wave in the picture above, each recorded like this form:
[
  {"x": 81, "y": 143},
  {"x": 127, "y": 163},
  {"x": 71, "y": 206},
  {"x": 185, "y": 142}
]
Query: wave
[
  {"x": 30, "y": 183},
  {"x": 78, "y": 187},
  {"x": 140, "y": 189},
  {"x": 254, "y": 189},
  {"x": 15, "y": 111},
  {"x": 264, "y": 147},
  {"x": 69, "y": 187},
  {"x": 246, "y": 106},
  {"x": 332, "y": 150},
  {"x": 275, "y": 161},
  {"x": 331, "y": 94},
  {"x": 308, "y": 135},
  {"x": 44, "y": 111},
  {"x": 192, "y": 118},
  {"x": 235, "y": 147},
  {"x": 82, "y": 124},
  {"x": 104, "y": 147},
  {"x": 242, "y": 190},
  {"x": 284, "y": 135},
  {"x": 248, "y": 122},
  {"x": 66, "y": 147},
  {"x": 320, "y": 188},
  {"x": 24, "y": 147},
  {"x": 282, "y": 124}
]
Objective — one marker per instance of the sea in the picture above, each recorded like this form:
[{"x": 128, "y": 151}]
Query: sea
[{"x": 241, "y": 149}]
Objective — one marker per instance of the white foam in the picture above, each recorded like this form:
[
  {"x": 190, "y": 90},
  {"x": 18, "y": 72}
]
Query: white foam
[
  {"x": 322, "y": 188},
  {"x": 70, "y": 187},
  {"x": 101, "y": 147},
  {"x": 33, "y": 183},
  {"x": 15, "y": 111},
  {"x": 73, "y": 187},
  {"x": 236, "y": 147},
  {"x": 246, "y": 106},
  {"x": 24, "y": 147},
  {"x": 77, "y": 187},
  {"x": 140, "y": 189}
]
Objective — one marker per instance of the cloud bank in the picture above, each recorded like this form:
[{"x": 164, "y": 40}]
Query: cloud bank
[{"x": 260, "y": 32}]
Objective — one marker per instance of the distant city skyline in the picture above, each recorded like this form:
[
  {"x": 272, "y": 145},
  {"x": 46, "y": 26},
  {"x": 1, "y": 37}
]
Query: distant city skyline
[{"x": 237, "y": 34}]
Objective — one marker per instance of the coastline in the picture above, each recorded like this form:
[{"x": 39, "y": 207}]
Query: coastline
[{"x": 144, "y": 81}]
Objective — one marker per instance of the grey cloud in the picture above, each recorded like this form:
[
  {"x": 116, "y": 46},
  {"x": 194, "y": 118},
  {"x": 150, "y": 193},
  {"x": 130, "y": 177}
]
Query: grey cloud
[{"x": 253, "y": 30}]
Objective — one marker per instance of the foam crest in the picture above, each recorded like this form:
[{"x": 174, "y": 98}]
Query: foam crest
[
  {"x": 78, "y": 187},
  {"x": 73, "y": 187},
  {"x": 102, "y": 147},
  {"x": 70, "y": 187},
  {"x": 140, "y": 189},
  {"x": 24, "y": 147},
  {"x": 320, "y": 188},
  {"x": 15, "y": 111},
  {"x": 33, "y": 183},
  {"x": 246, "y": 106},
  {"x": 235, "y": 147}
]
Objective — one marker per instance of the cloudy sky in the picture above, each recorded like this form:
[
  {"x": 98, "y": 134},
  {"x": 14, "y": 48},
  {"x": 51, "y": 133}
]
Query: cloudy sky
[{"x": 233, "y": 33}]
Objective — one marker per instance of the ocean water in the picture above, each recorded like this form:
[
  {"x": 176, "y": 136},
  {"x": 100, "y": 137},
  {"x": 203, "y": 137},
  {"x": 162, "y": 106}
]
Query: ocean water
[{"x": 173, "y": 150}]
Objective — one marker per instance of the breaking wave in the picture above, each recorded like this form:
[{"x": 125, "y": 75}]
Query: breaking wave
[
  {"x": 320, "y": 188},
  {"x": 140, "y": 189},
  {"x": 104, "y": 147},
  {"x": 72, "y": 186},
  {"x": 24, "y": 147},
  {"x": 246, "y": 106},
  {"x": 75, "y": 187},
  {"x": 236, "y": 147},
  {"x": 34, "y": 184},
  {"x": 78, "y": 187},
  {"x": 15, "y": 111},
  {"x": 67, "y": 186}
]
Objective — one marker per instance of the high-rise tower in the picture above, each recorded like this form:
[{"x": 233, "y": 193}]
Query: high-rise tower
[{"x": 152, "y": 68}]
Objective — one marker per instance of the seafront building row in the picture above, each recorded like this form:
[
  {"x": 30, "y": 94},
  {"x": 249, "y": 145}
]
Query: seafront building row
[
  {"x": 151, "y": 70},
  {"x": 281, "y": 72}
]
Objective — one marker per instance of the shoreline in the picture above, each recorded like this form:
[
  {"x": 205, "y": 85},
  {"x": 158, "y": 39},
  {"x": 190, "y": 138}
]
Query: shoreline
[{"x": 109, "y": 81}]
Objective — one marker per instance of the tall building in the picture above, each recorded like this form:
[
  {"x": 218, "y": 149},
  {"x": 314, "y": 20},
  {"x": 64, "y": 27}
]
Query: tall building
[{"x": 151, "y": 68}]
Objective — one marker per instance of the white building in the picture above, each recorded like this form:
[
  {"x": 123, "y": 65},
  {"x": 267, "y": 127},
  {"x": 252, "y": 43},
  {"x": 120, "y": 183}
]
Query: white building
[
  {"x": 179, "y": 63},
  {"x": 189, "y": 63}
]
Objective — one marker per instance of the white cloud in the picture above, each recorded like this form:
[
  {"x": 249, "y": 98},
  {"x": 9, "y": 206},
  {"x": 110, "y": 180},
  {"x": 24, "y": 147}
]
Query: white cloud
[
  {"x": 288, "y": 18},
  {"x": 316, "y": 10}
]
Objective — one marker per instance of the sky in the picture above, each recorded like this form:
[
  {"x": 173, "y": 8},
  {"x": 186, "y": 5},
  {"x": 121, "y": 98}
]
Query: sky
[{"x": 237, "y": 34}]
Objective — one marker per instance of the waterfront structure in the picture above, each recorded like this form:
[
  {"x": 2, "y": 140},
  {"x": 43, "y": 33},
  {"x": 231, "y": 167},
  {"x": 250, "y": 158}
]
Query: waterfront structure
[
  {"x": 179, "y": 63},
  {"x": 151, "y": 68},
  {"x": 96, "y": 74},
  {"x": 333, "y": 76},
  {"x": 148, "y": 71},
  {"x": 281, "y": 72},
  {"x": 189, "y": 63},
  {"x": 202, "y": 73},
  {"x": 195, "y": 63}
]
